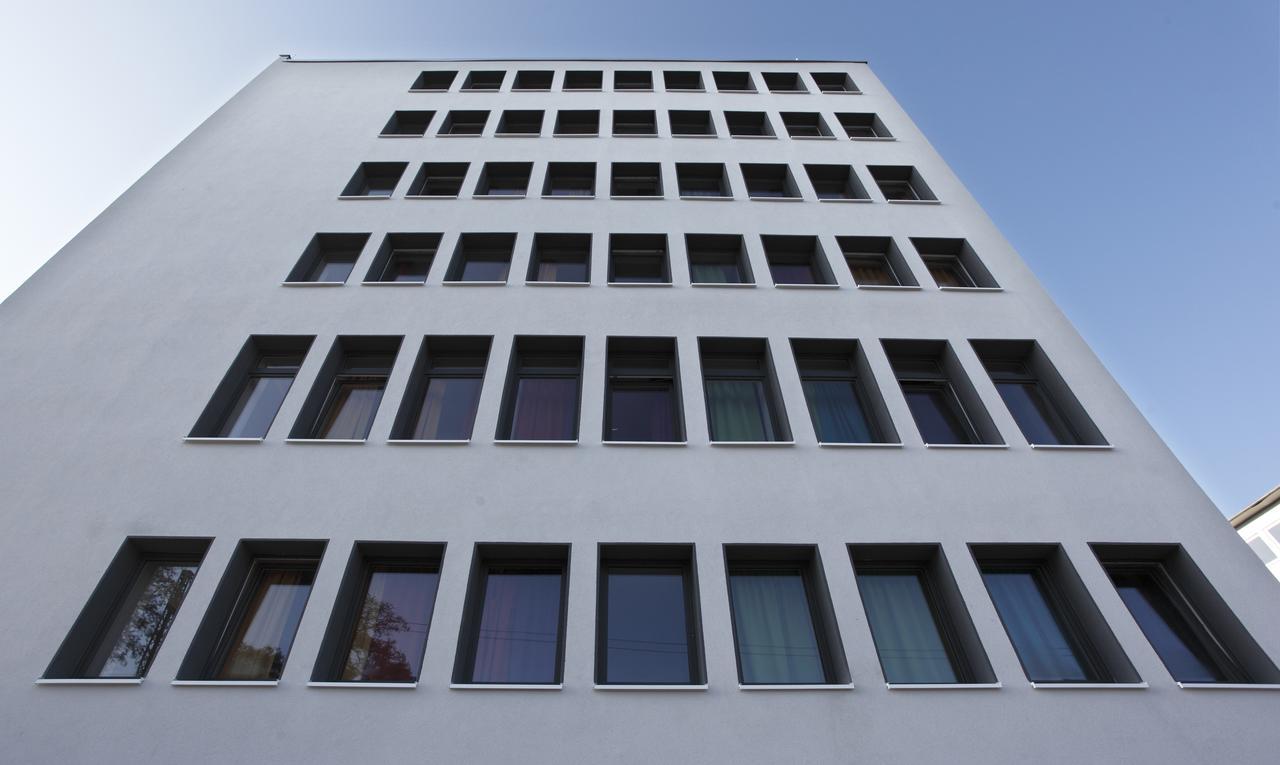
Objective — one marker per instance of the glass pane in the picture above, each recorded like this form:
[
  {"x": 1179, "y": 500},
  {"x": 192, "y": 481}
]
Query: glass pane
[
  {"x": 332, "y": 269},
  {"x": 256, "y": 408},
  {"x": 142, "y": 620},
  {"x": 1034, "y": 628},
  {"x": 896, "y": 190},
  {"x": 1261, "y": 549},
  {"x": 448, "y": 409},
  {"x": 351, "y": 409},
  {"x": 774, "y": 629},
  {"x": 739, "y": 410},
  {"x": 1171, "y": 634},
  {"x": 641, "y": 412},
  {"x": 408, "y": 266},
  {"x": 872, "y": 270},
  {"x": 836, "y": 411},
  {"x": 904, "y": 629},
  {"x": 484, "y": 270},
  {"x": 562, "y": 271},
  {"x": 948, "y": 272},
  {"x": 639, "y": 269},
  {"x": 793, "y": 273},
  {"x": 391, "y": 626},
  {"x": 1033, "y": 412},
  {"x": 935, "y": 413},
  {"x": 647, "y": 635},
  {"x": 268, "y": 624},
  {"x": 716, "y": 273},
  {"x": 546, "y": 409},
  {"x": 519, "y": 629}
]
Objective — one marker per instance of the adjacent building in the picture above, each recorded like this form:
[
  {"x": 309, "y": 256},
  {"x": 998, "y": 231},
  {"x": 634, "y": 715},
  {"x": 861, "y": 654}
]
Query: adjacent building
[
  {"x": 1259, "y": 526},
  {"x": 591, "y": 411}
]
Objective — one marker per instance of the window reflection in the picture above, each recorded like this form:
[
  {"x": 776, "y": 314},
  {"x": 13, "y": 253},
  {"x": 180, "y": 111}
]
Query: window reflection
[
  {"x": 142, "y": 621},
  {"x": 391, "y": 625},
  {"x": 266, "y": 620}
]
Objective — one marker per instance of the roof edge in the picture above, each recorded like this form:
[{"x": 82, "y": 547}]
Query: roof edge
[
  {"x": 290, "y": 59},
  {"x": 1258, "y": 507}
]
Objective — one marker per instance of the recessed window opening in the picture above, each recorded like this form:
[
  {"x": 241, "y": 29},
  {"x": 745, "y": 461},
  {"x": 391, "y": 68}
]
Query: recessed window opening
[
  {"x": 702, "y": 179},
  {"x": 439, "y": 179},
  {"x": 743, "y": 403},
  {"x": 805, "y": 125},
  {"x": 647, "y": 625},
  {"x": 638, "y": 259},
  {"x": 874, "y": 261},
  {"x": 459, "y": 122},
  {"x": 796, "y": 260},
  {"x": 533, "y": 80},
  {"x": 632, "y": 80},
  {"x": 862, "y": 125},
  {"x": 784, "y": 82},
  {"x": 748, "y": 125},
  {"x": 434, "y": 81},
  {"x": 642, "y": 395},
  {"x": 484, "y": 80},
  {"x": 634, "y": 122},
  {"x": 691, "y": 123},
  {"x": 404, "y": 258},
  {"x": 520, "y": 122},
  {"x": 562, "y": 258},
  {"x": 687, "y": 80},
  {"x": 408, "y": 123},
  {"x": 836, "y": 182},
  {"x": 636, "y": 179},
  {"x": 769, "y": 182},
  {"x": 375, "y": 179},
  {"x": 843, "y": 400},
  {"x": 901, "y": 183},
  {"x": 543, "y": 387},
  {"x": 834, "y": 82},
  {"x": 577, "y": 122},
  {"x": 570, "y": 179},
  {"x": 482, "y": 258},
  {"x": 444, "y": 389},
  {"x": 346, "y": 395},
  {"x": 717, "y": 259},
  {"x": 328, "y": 258},
  {"x": 733, "y": 82},
  {"x": 245, "y": 403},
  {"x": 583, "y": 80}
]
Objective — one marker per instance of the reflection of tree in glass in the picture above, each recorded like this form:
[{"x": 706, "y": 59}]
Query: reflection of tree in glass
[
  {"x": 374, "y": 653},
  {"x": 147, "y": 626}
]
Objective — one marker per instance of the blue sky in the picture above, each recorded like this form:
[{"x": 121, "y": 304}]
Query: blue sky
[{"x": 1129, "y": 150}]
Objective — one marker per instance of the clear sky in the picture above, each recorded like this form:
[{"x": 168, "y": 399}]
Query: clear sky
[{"x": 1129, "y": 150}]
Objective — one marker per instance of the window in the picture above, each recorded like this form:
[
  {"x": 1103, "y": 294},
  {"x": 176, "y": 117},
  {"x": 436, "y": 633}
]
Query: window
[
  {"x": 464, "y": 123},
  {"x": 953, "y": 264},
  {"x": 900, "y": 183},
  {"x": 805, "y": 125},
  {"x": 863, "y": 126},
  {"x": 834, "y": 82},
  {"x": 375, "y": 180},
  {"x": 743, "y": 402},
  {"x": 748, "y": 125},
  {"x": 1039, "y": 400},
  {"x": 686, "y": 123},
  {"x": 246, "y": 401},
  {"x": 434, "y": 81},
  {"x": 584, "y": 122},
  {"x": 875, "y": 261},
  {"x": 583, "y": 80},
  {"x": 639, "y": 259},
  {"x": 688, "y": 80},
  {"x": 125, "y": 621},
  {"x": 796, "y": 260},
  {"x": 560, "y": 259},
  {"x": 633, "y": 80},
  {"x": 642, "y": 395},
  {"x": 769, "y": 182},
  {"x": 544, "y": 381},
  {"x": 918, "y": 620},
  {"x": 635, "y": 122},
  {"x": 484, "y": 81},
  {"x": 348, "y": 390},
  {"x": 946, "y": 409},
  {"x": 570, "y": 179},
  {"x": 527, "y": 79},
  {"x": 1053, "y": 624},
  {"x": 438, "y": 179},
  {"x": 444, "y": 389},
  {"x": 836, "y": 182},
  {"x": 647, "y": 623},
  {"x": 1262, "y": 550},
  {"x": 717, "y": 259},
  {"x": 482, "y": 258},
  {"x": 328, "y": 259},
  {"x": 504, "y": 179},
  {"x": 784, "y": 82},
  {"x": 840, "y": 391},
  {"x": 249, "y": 627},
  {"x": 784, "y": 628},
  {"x": 636, "y": 179},
  {"x": 377, "y": 632},
  {"x": 403, "y": 259},
  {"x": 408, "y": 123},
  {"x": 702, "y": 179},
  {"x": 1189, "y": 625},
  {"x": 733, "y": 82},
  {"x": 520, "y": 122},
  {"x": 513, "y": 621}
]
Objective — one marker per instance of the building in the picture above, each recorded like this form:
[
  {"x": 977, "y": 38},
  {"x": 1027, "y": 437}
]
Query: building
[
  {"x": 1259, "y": 526},
  {"x": 590, "y": 411}
]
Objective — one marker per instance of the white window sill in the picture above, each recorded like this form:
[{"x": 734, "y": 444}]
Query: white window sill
[
  {"x": 943, "y": 686},
  {"x": 873, "y": 138},
  {"x": 575, "y": 135},
  {"x": 529, "y": 442},
  {"x": 775, "y": 199},
  {"x": 1229, "y": 686},
  {"x": 700, "y": 198},
  {"x": 966, "y": 446},
  {"x": 971, "y": 289},
  {"x": 227, "y": 683},
  {"x": 858, "y": 200},
  {"x": 635, "y": 135},
  {"x": 811, "y": 687},
  {"x": 1073, "y": 447},
  {"x": 422, "y": 283},
  {"x": 890, "y": 287},
  {"x": 694, "y": 135},
  {"x": 472, "y": 284},
  {"x": 644, "y": 443},
  {"x": 737, "y": 92},
  {"x": 736, "y": 285},
  {"x": 334, "y": 441},
  {"x": 756, "y": 137},
  {"x": 753, "y": 443},
  {"x": 682, "y": 688},
  {"x": 840, "y": 92},
  {"x": 218, "y": 440},
  {"x": 869, "y": 445},
  {"x": 431, "y": 196},
  {"x": 505, "y": 687},
  {"x": 401, "y": 686},
  {"x": 568, "y": 196},
  {"x": 313, "y": 284},
  {"x": 428, "y": 441},
  {"x": 459, "y": 135},
  {"x": 530, "y": 283},
  {"x": 498, "y": 196},
  {"x": 807, "y": 286},
  {"x": 650, "y": 197},
  {"x": 402, "y": 135},
  {"x": 813, "y": 138},
  {"x": 428, "y": 90},
  {"x": 1089, "y": 686},
  {"x": 89, "y": 681},
  {"x": 686, "y": 90},
  {"x": 913, "y": 201},
  {"x": 364, "y": 197},
  {"x": 517, "y": 135},
  {"x": 582, "y": 90},
  {"x": 638, "y": 284}
]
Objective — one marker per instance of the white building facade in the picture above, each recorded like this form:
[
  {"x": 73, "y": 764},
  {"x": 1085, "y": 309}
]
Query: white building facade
[{"x": 1259, "y": 526}]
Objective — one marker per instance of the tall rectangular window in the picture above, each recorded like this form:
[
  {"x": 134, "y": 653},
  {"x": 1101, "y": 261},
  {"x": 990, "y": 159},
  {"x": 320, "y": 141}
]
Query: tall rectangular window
[
  {"x": 543, "y": 385},
  {"x": 843, "y": 400},
  {"x": 642, "y": 399},
  {"x": 444, "y": 390},
  {"x": 378, "y": 629},
  {"x": 941, "y": 399},
  {"x": 742, "y": 397},
  {"x": 513, "y": 620},
  {"x": 345, "y": 397},
  {"x": 1038, "y": 398},
  {"x": 783, "y": 626},
  {"x": 245, "y": 403},
  {"x": 717, "y": 259},
  {"x": 647, "y": 622},
  {"x": 127, "y": 617}
]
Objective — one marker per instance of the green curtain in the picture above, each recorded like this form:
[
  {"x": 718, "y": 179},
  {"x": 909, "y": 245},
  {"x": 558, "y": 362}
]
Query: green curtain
[
  {"x": 776, "y": 639},
  {"x": 739, "y": 410},
  {"x": 902, "y": 624}
]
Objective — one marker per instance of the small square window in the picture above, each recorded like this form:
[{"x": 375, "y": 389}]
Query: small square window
[
  {"x": 717, "y": 259},
  {"x": 769, "y": 182},
  {"x": 533, "y": 79},
  {"x": 901, "y": 183},
  {"x": 584, "y": 122},
  {"x": 834, "y": 82},
  {"x": 570, "y": 179},
  {"x": 691, "y": 123},
  {"x": 482, "y": 258},
  {"x": 434, "y": 81},
  {"x": 687, "y": 80},
  {"x": 863, "y": 126},
  {"x": 438, "y": 179},
  {"x": 633, "y": 80},
  {"x": 464, "y": 123},
  {"x": 491, "y": 80},
  {"x": 520, "y": 122},
  {"x": 543, "y": 389},
  {"x": 836, "y": 182},
  {"x": 784, "y": 82},
  {"x": 638, "y": 259},
  {"x": 247, "y": 400},
  {"x": 328, "y": 259},
  {"x": 634, "y": 122},
  {"x": 702, "y": 179},
  {"x": 560, "y": 259},
  {"x": 444, "y": 389},
  {"x": 733, "y": 82},
  {"x": 346, "y": 394},
  {"x": 404, "y": 259},
  {"x": 796, "y": 260},
  {"x": 408, "y": 124},
  {"x": 805, "y": 125},
  {"x": 375, "y": 180},
  {"x": 504, "y": 179},
  {"x": 636, "y": 179},
  {"x": 749, "y": 125},
  {"x": 953, "y": 264},
  {"x": 875, "y": 261},
  {"x": 583, "y": 80}
]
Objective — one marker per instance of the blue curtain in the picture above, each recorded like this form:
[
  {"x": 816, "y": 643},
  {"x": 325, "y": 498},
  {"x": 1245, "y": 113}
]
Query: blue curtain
[
  {"x": 837, "y": 413},
  {"x": 1034, "y": 628},
  {"x": 739, "y": 410},
  {"x": 902, "y": 624}
]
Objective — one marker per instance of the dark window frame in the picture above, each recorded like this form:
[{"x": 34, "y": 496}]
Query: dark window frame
[
  {"x": 637, "y": 253},
  {"x": 439, "y": 357},
  {"x": 525, "y": 351},
  {"x": 943, "y": 620},
  {"x": 655, "y": 374},
  {"x": 253, "y": 579},
  {"x": 721, "y": 360},
  {"x": 215, "y": 420}
]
